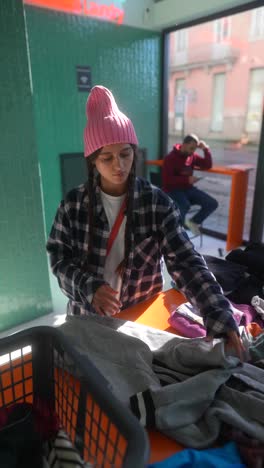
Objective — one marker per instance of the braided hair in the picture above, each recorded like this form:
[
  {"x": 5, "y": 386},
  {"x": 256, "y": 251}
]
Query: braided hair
[{"x": 130, "y": 203}]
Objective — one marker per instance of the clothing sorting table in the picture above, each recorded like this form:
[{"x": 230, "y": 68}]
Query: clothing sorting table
[
  {"x": 237, "y": 204},
  {"x": 155, "y": 313}
]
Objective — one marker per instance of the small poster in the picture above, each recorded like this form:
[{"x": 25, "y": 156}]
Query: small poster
[{"x": 84, "y": 78}]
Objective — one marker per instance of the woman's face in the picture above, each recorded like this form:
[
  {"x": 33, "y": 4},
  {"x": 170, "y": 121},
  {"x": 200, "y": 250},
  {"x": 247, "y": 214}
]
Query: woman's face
[{"x": 114, "y": 164}]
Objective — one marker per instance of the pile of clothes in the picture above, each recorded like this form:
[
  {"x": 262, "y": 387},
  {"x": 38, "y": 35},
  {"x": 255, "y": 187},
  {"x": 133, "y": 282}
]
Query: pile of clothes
[
  {"x": 241, "y": 276},
  {"x": 194, "y": 391}
]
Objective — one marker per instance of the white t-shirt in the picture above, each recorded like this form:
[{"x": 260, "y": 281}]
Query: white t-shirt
[{"x": 112, "y": 207}]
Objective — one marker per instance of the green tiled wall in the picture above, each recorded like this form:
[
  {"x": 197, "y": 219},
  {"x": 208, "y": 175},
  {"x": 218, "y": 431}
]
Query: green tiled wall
[
  {"x": 125, "y": 59},
  {"x": 24, "y": 283}
]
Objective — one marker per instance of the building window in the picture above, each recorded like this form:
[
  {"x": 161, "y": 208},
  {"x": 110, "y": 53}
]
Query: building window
[
  {"x": 179, "y": 86},
  {"x": 257, "y": 24},
  {"x": 255, "y": 100},
  {"x": 179, "y": 104},
  {"x": 181, "y": 40},
  {"x": 217, "y": 120},
  {"x": 222, "y": 29}
]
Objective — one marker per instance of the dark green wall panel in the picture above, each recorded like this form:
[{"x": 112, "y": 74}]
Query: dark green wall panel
[
  {"x": 24, "y": 282},
  {"x": 125, "y": 59}
]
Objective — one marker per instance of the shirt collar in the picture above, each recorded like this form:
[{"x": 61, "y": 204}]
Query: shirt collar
[{"x": 98, "y": 200}]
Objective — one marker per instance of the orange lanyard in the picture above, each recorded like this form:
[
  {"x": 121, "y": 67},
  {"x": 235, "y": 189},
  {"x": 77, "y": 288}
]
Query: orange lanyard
[{"x": 116, "y": 226}]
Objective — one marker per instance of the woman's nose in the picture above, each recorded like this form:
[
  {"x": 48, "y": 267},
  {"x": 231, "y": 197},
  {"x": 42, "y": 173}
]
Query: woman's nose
[{"x": 117, "y": 161}]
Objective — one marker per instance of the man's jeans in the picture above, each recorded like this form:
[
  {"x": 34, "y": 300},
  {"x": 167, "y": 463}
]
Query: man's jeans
[{"x": 185, "y": 198}]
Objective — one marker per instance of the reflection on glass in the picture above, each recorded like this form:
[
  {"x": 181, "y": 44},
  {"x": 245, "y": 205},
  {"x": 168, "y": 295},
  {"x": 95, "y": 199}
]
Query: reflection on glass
[{"x": 216, "y": 90}]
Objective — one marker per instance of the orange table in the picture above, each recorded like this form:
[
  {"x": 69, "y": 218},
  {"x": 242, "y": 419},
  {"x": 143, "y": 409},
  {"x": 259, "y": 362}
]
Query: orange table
[
  {"x": 237, "y": 204},
  {"x": 154, "y": 313}
]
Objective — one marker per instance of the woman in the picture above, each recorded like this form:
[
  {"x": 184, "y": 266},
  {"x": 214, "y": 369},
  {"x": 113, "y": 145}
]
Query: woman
[{"x": 111, "y": 234}]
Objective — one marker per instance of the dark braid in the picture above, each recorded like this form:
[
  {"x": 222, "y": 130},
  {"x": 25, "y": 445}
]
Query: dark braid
[
  {"x": 91, "y": 196},
  {"x": 129, "y": 211}
]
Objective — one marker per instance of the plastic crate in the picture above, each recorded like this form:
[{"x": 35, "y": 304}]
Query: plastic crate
[{"x": 34, "y": 364}]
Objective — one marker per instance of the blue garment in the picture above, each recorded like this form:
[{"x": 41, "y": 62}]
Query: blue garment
[
  {"x": 185, "y": 198},
  {"x": 223, "y": 457}
]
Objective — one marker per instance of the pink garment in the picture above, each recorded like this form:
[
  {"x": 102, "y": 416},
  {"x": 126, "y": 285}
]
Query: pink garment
[
  {"x": 185, "y": 326},
  {"x": 187, "y": 320},
  {"x": 249, "y": 315},
  {"x": 106, "y": 124}
]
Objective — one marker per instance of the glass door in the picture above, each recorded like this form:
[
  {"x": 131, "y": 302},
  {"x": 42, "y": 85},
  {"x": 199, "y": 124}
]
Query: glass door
[{"x": 216, "y": 90}]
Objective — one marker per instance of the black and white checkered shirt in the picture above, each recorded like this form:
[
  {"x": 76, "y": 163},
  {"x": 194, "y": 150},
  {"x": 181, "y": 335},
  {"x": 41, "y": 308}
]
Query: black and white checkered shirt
[{"x": 156, "y": 234}]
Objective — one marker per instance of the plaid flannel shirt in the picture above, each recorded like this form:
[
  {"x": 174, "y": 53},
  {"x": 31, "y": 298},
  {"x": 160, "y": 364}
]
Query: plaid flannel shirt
[{"x": 156, "y": 235}]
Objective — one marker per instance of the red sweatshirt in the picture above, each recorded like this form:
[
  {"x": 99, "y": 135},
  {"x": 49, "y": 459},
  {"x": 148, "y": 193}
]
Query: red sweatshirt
[{"x": 177, "y": 168}]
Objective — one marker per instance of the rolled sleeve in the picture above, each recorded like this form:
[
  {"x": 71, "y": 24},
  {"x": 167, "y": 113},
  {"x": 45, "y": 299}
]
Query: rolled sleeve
[{"x": 189, "y": 270}]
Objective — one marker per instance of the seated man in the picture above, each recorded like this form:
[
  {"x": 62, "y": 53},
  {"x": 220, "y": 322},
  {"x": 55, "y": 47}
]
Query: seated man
[{"x": 178, "y": 180}]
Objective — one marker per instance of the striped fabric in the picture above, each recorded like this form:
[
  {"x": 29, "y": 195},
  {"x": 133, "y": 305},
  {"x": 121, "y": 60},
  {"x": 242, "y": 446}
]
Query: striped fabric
[
  {"x": 141, "y": 403},
  {"x": 143, "y": 408},
  {"x": 62, "y": 454}
]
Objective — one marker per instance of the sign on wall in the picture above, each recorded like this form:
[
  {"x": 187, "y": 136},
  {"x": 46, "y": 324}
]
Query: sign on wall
[
  {"x": 107, "y": 10},
  {"x": 84, "y": 78}
]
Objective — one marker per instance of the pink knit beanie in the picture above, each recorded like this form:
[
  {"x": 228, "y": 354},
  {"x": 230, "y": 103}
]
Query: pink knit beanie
[{"x": 106, "y": 124}]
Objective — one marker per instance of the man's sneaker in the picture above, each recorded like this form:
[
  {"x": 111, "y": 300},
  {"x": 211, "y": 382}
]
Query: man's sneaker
[{"x": 193, "y": 227}]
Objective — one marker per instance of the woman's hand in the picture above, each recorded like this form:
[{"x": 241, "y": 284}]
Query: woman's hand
[
  {"x": 105, "y": 302},
  {"x": 233, "y": 341}
]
